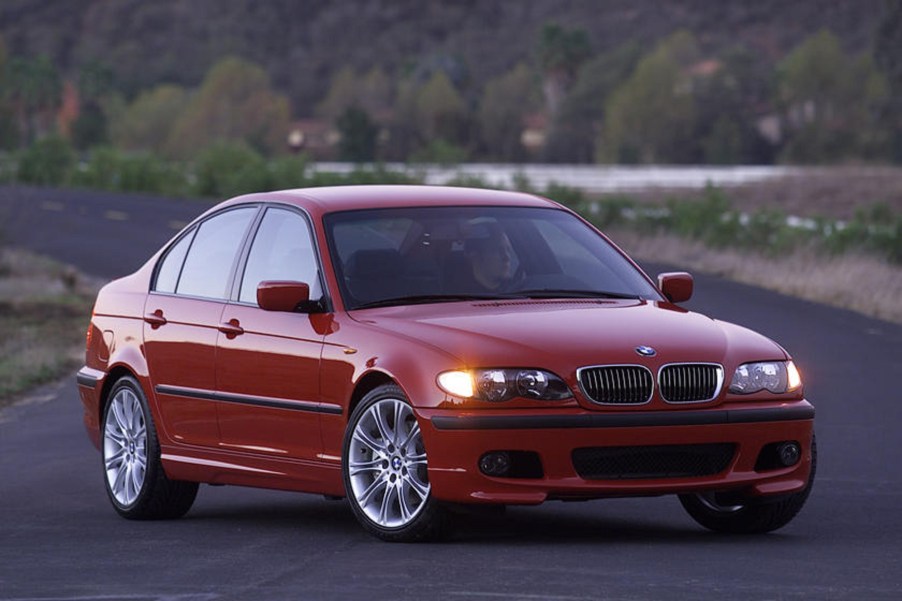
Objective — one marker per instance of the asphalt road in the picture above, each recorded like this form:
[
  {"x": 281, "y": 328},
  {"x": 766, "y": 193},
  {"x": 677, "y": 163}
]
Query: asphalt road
[{"x": 60, "y": 539}]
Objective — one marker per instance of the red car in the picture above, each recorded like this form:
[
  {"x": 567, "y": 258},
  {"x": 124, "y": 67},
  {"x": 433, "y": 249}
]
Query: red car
[{"x": 417, "y": 348}]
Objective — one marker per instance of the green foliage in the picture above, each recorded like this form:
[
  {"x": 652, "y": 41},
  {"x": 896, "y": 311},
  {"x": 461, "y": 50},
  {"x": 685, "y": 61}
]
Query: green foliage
[
  {"x": 562, "y": 49},
  {"x": 146, "y": 124},
  {"x": 34, "y": 86},
  {"x": 49, "y": 161},
  {"x": 567, "y": 195},
  {"x": 90, "y": 128},
  {"x": 651, "y": 117},
  {"x": 229, "y": 169},
  {"x": 288, "y": 172},
  {"x": 832, "y": 102},
  {"x": 358, "y": 136},
  {"x": 560, "y": 53},
  {"x": 506, "y": 100},
  {"x": 9, "y": 128},
  {"x": 877, "y": 229},
  {"x": 574, "y": 132},
  {"x": 235, "y": 103},
  {"x": 439, "y": 152},
  {"x": 110, "y": 169},
  {"x": 439, "y": 111}
]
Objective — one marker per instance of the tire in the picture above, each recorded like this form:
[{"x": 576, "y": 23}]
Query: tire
[
  {"x": 721, "y": 513},
  {"x": 133, "y": 474},
  {"x": 384, "y": 467}
]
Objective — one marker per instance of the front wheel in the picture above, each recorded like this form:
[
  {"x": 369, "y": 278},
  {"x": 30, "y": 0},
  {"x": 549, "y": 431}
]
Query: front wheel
[
  {"x": 722, "y": 512},
  {"x": 133, "y": 473},
  {"x": 384, "y": 467}
]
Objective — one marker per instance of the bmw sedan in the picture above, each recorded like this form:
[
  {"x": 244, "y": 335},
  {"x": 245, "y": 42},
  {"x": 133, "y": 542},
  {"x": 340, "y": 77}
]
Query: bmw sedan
[{"x": 417, "y": 349}]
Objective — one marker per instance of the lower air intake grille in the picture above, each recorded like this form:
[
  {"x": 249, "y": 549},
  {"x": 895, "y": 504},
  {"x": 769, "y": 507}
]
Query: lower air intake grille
[
  {"x": 662, "y": 461},
  {"x": 617, "y": 384}
]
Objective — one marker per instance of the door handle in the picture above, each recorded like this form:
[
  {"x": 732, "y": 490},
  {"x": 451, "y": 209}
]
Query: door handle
[
  {"x": 231, "y": 329},
  {"x": 155, "y": 319}
]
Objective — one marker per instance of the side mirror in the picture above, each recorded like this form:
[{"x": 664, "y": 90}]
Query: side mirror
[
  {"x": 282, "y": 295},
  {"x": 676, "y": 286}
]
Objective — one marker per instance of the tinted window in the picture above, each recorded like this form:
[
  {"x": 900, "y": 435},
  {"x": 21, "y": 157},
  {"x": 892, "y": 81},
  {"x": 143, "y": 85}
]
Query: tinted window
[
  {"x": 429, "y": 254},
  {"x": 171, "y": 266},
  {"x": 212, "y": 254},
  {"x": 282, "y": 250}
]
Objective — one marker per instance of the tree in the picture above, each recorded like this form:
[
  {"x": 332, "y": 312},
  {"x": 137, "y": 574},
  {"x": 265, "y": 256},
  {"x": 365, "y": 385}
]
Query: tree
[
  {"x": 343, "y": 94},
  {"x": 440, "y": 112},
  {"x": 34, "y": 89},
  {"x": 888, "y": 57},
  {"x": 651, "y": 117},
  {"x": 146, "y": 124},
  {"x": 727, "y": 99},
  {"x": 830, "y": 102},
  {"x": 576, "y": 128},
  {"x": 560, "y": 53},
  {"x": 358, "y": 136},
  {"x": 9, "y": 130},
  {"x": 506, "y": 100},
  {"x": 234, "y": 103},
  {"x": 95, "y": 84}
]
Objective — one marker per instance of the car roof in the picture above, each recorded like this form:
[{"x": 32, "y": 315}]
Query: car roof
[{"x": 345, "y": 198}]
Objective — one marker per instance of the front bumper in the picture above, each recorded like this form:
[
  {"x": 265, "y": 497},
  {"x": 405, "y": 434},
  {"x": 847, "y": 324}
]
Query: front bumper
[{"x": 456, "y": 440}]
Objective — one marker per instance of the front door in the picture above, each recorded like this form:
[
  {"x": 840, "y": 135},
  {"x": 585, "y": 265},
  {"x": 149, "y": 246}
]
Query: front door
[{"x": 267, "y": 367}]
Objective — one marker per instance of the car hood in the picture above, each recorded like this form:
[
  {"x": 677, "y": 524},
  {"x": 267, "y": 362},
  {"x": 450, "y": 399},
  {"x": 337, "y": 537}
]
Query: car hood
[{"x": 566, "y": 334}]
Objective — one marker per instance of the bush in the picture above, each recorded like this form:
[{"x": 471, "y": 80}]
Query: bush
[
  {"x": 439, "y": 152},
  {"x": 110, "y": 169},
  {"x": 288, "y": 172},
  {"x": 49, "y": 161},
  {"x": 229, "y": 169}
]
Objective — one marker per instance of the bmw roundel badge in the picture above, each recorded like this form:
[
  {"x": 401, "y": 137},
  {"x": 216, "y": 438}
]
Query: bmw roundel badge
[{"x": 646, "y": 351}]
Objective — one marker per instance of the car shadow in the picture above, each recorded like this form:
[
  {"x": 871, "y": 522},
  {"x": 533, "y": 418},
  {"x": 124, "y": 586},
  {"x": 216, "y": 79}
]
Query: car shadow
[{"x": 546, "y": 525}]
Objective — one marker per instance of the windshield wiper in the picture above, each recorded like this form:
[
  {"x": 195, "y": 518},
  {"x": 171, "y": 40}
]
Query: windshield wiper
[
  {"x": 567, "y": 293},
  {"x": 422, "y": 299}
]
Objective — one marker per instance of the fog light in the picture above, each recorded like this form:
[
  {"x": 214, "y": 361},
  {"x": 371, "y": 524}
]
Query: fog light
[
  {"x": 789, "y": 453},
  {"x": 496, "y": 463}
]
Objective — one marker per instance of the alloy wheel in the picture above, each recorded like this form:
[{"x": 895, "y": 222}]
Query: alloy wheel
[
  {"x": 125, "y": 447},
  {"x": 387, "y": 464}
]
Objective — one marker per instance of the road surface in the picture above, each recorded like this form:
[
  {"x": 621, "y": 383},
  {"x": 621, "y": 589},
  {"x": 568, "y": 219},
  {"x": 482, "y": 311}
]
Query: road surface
[{"x": 60, "y": 539}]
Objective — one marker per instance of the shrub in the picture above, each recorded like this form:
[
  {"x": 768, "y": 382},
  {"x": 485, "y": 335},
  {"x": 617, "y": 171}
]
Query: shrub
[
  {"x": 49, "y": 161},
  {"x": 228, "y": 169}
]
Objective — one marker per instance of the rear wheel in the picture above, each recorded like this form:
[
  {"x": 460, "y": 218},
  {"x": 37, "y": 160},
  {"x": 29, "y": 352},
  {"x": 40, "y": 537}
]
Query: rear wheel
[
  {"x": 133, "y": 474},
  {"x": 724, "y": 512},
  {"x": 384, "y": 467}
]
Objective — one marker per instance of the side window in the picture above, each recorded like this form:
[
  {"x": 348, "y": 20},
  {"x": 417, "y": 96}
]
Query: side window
[
  {"x": 212, "y": 254},
  {"x": 282, "y": 250},
  {"x": 171, "y": 266}
]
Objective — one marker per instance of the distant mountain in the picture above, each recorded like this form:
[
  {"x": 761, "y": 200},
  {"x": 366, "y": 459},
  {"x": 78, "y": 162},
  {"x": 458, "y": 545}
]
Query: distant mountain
[{"x": 302, "y": 43}]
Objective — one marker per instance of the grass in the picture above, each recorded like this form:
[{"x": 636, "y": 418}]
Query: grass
[
  {"x": 45, "y": 308},
  {"x": 859, "y": 282}
]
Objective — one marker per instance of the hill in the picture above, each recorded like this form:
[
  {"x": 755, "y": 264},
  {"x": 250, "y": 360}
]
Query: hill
[{"x": 303, "y": 44}]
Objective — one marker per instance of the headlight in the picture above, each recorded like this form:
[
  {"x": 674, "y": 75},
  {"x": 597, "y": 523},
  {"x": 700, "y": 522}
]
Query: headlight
[
  {"x": 504, "y": 384},
  {"x": 776, "y": 376}
]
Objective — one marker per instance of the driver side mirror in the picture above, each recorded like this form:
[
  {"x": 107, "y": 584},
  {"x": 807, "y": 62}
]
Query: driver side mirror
[
  {"x": 676, "y": 286},
  {"x": 282, "y": 296}
]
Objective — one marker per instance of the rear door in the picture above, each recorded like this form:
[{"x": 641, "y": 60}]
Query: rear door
[{"x": 182, "y": 319}]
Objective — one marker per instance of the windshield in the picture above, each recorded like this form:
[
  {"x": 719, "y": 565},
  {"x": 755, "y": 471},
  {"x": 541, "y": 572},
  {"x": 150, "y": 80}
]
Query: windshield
[{"x": 440, "y": 254}]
